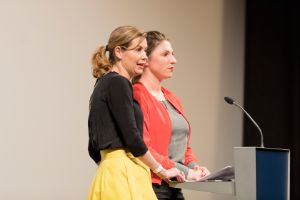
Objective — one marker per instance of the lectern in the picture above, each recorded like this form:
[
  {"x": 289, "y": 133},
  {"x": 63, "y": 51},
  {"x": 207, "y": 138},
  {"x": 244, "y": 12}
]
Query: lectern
[{"x": 260, "y": 174}]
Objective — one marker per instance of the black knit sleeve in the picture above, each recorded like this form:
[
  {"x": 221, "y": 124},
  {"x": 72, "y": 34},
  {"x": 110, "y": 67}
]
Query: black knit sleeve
[
  {"x": 121, "y": 104},
  {"x": 94, "y": 153},
  {"x": 93, "y": 129}
]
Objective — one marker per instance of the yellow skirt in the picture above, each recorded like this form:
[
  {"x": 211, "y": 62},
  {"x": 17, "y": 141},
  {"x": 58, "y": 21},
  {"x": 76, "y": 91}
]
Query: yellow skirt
[{"x": 121, "y": 176}]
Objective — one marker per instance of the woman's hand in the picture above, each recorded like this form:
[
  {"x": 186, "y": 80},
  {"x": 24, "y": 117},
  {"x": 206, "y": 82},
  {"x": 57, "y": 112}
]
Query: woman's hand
[
  {"x": 167, "y": 174},
  {"x": 197, "y": 173},
  {"x": 203, "y": 169}
]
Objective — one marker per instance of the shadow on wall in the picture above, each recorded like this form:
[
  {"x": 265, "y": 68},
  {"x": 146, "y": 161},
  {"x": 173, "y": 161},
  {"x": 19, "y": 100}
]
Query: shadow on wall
[{"x": 230, "y": 120}]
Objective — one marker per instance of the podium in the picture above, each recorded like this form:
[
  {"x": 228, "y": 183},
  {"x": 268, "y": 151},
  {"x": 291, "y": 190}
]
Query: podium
[{"x": 260, "y": 174}]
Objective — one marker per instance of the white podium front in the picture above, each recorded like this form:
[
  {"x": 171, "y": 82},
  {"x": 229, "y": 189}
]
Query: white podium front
[
  {"x": 222, "y": 187},
  {"x": 260, "y": 174}
]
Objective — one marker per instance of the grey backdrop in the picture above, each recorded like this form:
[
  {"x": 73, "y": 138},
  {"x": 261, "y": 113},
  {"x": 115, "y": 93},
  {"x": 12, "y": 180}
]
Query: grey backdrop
[{"x": 46, "y": 82}]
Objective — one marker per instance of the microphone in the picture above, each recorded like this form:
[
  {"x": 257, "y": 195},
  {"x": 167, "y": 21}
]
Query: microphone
[{"x": 232, "y": 102}]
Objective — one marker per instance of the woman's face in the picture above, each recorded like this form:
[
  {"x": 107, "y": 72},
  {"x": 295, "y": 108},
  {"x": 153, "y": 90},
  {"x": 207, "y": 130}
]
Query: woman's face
[
  {"x": 134, "y": 58},
  {"x": 161, "y": 61}
]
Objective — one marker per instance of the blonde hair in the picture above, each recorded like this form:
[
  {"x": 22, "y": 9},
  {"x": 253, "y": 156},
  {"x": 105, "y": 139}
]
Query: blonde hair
[{"x": 121, "y": 36}]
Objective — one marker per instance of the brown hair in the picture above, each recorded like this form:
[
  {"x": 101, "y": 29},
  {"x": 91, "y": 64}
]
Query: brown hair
[
  {"x": 121, "y": 36},
  {"x": 154, "y": 38}
]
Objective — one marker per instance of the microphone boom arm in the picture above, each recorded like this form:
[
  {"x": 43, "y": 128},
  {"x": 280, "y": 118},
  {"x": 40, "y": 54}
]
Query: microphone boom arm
[{"x": 260, "y": 131}]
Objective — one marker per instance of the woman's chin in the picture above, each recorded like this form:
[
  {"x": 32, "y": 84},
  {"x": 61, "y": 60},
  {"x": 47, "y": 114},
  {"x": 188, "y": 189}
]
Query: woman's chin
[
  {"x": 139, "y": 71},
  {"x": 168, "y": 75}
]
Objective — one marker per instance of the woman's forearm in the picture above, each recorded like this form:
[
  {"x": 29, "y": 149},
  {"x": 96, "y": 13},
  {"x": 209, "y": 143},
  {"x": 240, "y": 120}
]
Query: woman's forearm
[
  {"x": 149, "y": 160},
  {"x": 157, "y": 168}
]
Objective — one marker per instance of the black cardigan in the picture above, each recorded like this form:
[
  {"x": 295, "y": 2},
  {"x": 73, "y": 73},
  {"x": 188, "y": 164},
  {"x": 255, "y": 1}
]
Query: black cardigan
[{"x": 115, "y": 118}]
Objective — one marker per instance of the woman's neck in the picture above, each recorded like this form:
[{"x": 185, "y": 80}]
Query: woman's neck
[
  {"x": 153, "y": 85},
  {"x": 121, "y": 71}
]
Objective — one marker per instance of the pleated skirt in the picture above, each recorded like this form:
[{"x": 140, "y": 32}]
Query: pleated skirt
[{"x": 121, "y": 176}]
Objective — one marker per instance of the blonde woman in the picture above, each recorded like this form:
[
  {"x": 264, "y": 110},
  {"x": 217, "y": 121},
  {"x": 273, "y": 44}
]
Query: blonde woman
[{"x": 116, "y": 122}]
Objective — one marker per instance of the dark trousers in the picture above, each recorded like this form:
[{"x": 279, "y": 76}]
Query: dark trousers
[{"x": 164, "y": 192}]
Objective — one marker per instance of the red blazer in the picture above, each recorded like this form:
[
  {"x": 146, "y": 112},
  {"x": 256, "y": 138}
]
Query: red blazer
[{"x": 157, "y": 127}]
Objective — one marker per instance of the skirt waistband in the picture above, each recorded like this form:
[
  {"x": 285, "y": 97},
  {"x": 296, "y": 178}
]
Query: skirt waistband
[{"x": 113, "y": 153}]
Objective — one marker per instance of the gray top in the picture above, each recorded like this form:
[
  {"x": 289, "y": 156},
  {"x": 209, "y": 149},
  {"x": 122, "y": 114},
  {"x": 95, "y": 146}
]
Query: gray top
[{"x": 178, "y": 142}]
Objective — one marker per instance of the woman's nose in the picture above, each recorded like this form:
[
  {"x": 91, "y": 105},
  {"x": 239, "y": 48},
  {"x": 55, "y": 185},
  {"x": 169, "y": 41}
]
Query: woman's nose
[
  {"x": 173, "y": 60},
  {"x": 144, "y": 56}
]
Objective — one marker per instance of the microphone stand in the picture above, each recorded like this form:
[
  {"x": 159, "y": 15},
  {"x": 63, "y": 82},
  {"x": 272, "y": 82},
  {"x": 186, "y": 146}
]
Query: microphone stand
[
  {"x": 260, "y": 131},
  {"x": 231, "y": 101}
]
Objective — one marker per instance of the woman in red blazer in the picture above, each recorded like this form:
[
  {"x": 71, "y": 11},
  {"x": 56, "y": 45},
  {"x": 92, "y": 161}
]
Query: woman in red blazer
[{"x": 166, "y": 129}]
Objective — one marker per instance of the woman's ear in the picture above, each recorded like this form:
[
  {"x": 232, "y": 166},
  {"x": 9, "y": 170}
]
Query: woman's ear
[{"x": 118, "y": 52}]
